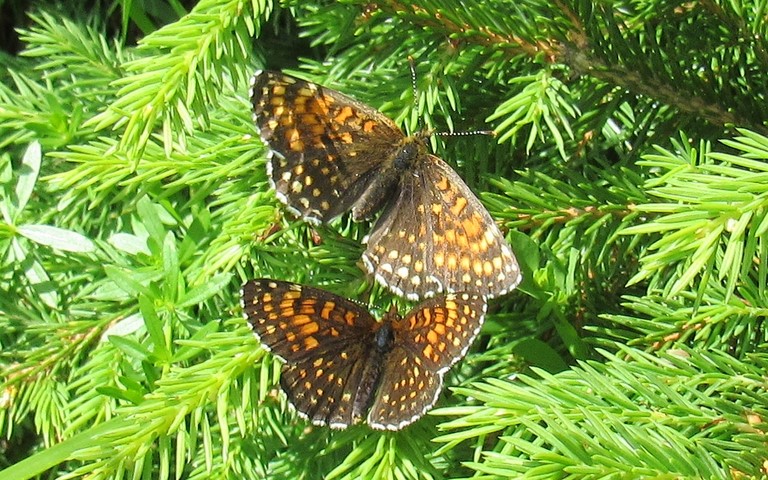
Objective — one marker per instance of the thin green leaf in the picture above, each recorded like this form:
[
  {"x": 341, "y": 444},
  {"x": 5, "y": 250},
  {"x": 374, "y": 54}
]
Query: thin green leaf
[
  {"x": 30, "y": 169},
  {"x": 58, "y": 238},
  {"x": 205, "y": 291}
]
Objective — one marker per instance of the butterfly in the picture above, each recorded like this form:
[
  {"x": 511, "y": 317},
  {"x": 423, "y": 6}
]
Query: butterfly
[
  {"x": 342, "y": 366},
  {"x": 329, "y": 154}
]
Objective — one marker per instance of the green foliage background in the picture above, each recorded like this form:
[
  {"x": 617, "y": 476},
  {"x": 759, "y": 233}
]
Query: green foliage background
[{"x": 629, "y": 169}]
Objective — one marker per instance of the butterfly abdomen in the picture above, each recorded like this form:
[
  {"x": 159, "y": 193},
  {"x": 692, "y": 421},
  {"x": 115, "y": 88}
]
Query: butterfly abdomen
[
  {"x": 375, "y": 195},
  {"x": 382, "y": 344}
]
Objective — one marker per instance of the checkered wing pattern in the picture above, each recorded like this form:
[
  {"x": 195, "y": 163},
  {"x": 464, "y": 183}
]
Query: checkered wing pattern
[
  {"x": 325, "y": 147},
  {"x": 428, "y": 341},
  {"x": 323, "y": 390},
  {"x": 340, "y": 363},
  {"x": 330, "y": 154},
  {"x": 324, "y": 340},
  {"x": 438, "y": 237}
]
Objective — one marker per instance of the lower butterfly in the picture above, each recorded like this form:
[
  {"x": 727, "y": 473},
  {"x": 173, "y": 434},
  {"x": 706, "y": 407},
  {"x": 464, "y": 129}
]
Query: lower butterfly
[{"x": 343, "y": 366}]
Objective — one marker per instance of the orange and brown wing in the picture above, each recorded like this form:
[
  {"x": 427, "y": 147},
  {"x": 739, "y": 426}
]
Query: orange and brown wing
[
  {"x": 296, "y": 322},
  {"x": 428, "y": 341},
  {"x": 324, "y": 339},
  {"x": 324, "y": 146},
  {"x": 323, "y": 389},
  {"x": 438, "y": 237}
]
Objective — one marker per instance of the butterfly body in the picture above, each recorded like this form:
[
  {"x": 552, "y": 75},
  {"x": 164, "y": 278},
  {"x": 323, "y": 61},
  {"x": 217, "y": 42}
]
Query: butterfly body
[
  {"x": 329, "y": 154},
  {"x": 342, "y": 366},
  {"x": 383, "y": 341},
  {"x": 385, "y": 182}
]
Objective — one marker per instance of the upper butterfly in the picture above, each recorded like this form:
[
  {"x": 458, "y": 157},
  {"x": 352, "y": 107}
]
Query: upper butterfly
[{"x": 330, "y": 153}]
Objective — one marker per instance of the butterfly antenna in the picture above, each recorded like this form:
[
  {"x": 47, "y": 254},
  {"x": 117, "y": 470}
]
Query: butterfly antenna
[
  {"x": 492, "y": 133},
  {"x": 414, "y": 90},
  {"x": 412, "y": 65}
]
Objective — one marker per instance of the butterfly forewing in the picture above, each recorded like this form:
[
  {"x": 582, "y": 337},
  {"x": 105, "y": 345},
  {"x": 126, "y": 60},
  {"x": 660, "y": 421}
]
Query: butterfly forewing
[
  {"x": 297, "y": 322},
  {"x": 438, "y": 237},
  {"x": 440, "y": 330},
  {"x": 324, "y": 146}
]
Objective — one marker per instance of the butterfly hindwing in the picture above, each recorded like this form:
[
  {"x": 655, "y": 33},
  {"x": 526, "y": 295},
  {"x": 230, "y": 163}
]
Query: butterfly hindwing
[
  {"x": 323, "y": 389},
  {"x": 437, "y": 237},
  {"x": 407, "y": 390}
]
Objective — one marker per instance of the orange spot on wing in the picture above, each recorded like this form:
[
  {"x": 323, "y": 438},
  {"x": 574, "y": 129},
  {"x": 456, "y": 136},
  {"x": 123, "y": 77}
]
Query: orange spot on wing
[
  {"x": 344, "y": 114},
  {"x": 327, "y": 309},
  {"x": 473, "y": 226},
  {"x": 310, "y": 328},
  {"x": 459, "y": 206}
]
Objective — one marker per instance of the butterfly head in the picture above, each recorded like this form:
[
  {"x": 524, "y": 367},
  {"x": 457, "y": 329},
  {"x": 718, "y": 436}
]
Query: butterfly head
[
  {"x": 405, "y": 157},
  {"x": 384, "y": 338},
  {"x": 408, "y": 153}
]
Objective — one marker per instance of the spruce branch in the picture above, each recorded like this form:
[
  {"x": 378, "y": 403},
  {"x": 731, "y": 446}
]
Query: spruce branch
[
  {"x": 712, "y": 214},
  {"x": 654, "y": 416},
  {"x": 173, "y": 90},
  {"x": 70, "y": 49},
  {"x": 609, "y": 43},
  {"x": 711, "y": 322},
  {"x": 174, "y": 413}
]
